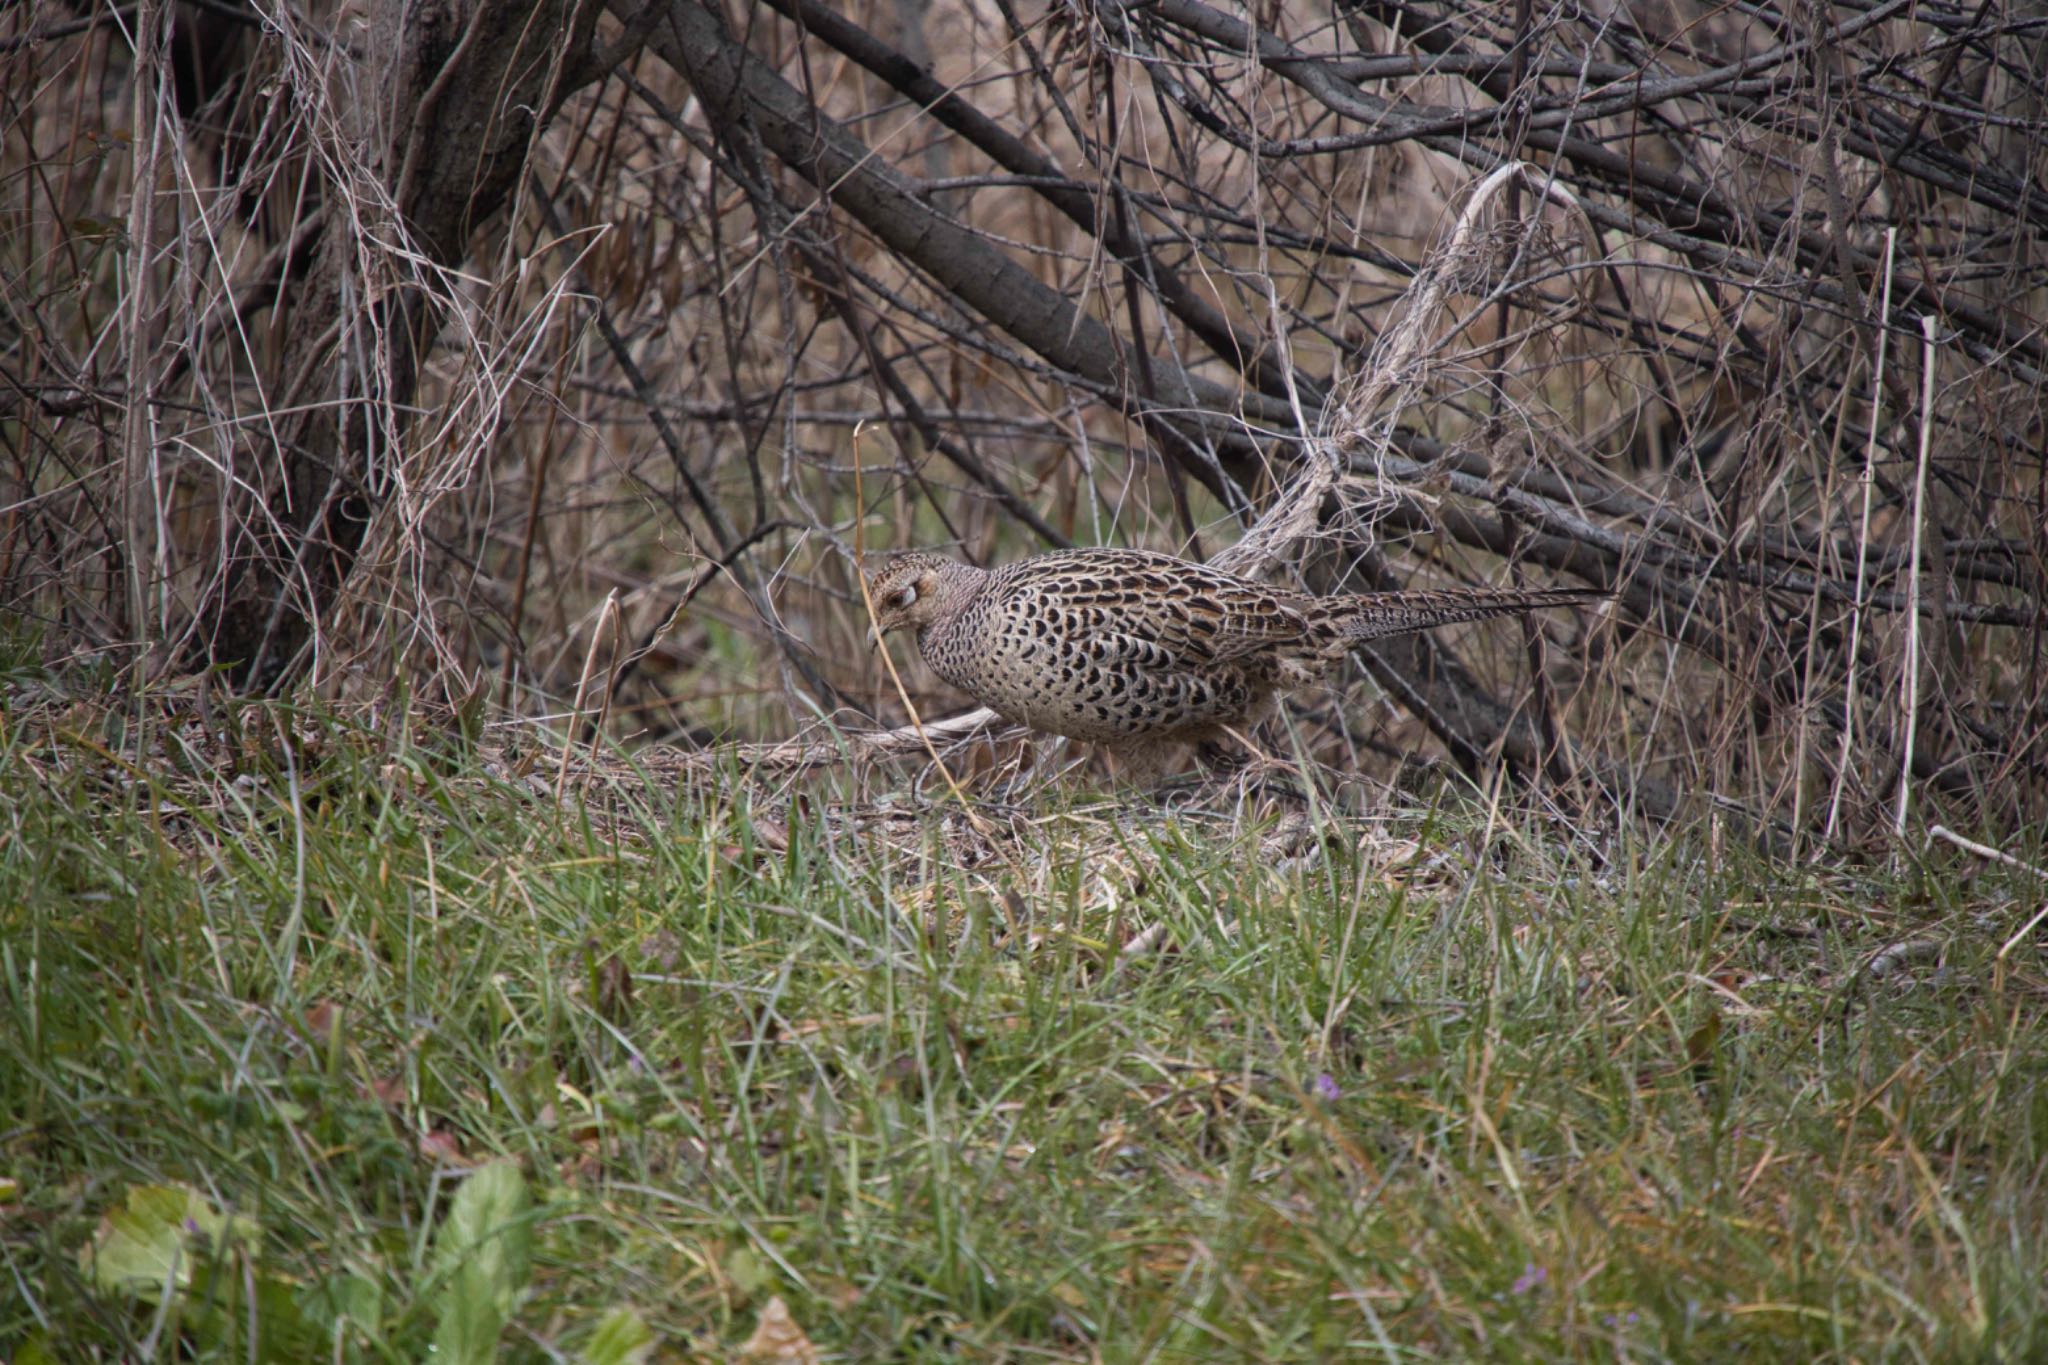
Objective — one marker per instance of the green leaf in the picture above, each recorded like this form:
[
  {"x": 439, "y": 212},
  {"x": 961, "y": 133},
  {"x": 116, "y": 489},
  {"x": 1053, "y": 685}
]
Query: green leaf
[
  {"x": 619, "y": 1339},
  {"x": 345, "y": 1298},
  {"x": 483, "y": 1252},
  {"x": 277, "y": 1316},
  {"x": 750, "y": 1274},
  {"x": 152, "y": 1238},
  {"x": 35, "y": 1351}
]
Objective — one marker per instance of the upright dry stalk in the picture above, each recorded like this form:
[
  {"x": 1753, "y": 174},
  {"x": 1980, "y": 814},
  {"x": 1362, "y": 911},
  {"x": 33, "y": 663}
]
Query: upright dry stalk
[
  {"x": 1909, "y": 679},
  {"x": 607, "y": 619},
  {"x": 152, "y": 37},
  {"x": 1862, "y": 590}
]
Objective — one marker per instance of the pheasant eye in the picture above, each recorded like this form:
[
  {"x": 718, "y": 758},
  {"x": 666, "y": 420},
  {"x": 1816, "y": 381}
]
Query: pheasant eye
[{"x": 906, "y": 595}]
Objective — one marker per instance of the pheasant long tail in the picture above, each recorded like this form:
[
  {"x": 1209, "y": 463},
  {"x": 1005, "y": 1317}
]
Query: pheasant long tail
[{"x": 1372, "y": 615}]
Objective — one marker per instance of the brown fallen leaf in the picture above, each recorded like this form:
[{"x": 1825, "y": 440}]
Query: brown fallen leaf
[
  {"x": 324, "y": 1019},
  {"x": 777, "y": 1339},
  {"x": 440, "y": 1145}
]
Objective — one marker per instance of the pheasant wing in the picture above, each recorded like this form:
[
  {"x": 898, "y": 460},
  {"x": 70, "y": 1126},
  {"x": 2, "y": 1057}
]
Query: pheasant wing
[{"x": 1199, "y": 617}]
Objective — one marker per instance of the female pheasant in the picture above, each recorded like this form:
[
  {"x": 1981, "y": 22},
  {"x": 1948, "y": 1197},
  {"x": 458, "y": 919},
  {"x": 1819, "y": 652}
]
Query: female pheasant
[{"x": 1135, "y": 650}]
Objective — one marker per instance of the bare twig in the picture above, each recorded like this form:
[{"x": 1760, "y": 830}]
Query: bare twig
[{"x": 1985, "y": 851}]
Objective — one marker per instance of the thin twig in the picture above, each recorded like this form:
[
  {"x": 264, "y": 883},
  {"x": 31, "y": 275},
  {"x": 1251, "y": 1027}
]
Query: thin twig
[{"x": 1985, "y": 851}]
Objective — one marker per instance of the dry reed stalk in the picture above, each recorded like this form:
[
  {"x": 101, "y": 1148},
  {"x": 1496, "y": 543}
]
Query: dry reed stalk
[
  {"x": 149, "y": 92},
  {"x": 1909, "y": 671},
  {"x": 607, "y": 621},
  {"x": 1861, "y": 581}
]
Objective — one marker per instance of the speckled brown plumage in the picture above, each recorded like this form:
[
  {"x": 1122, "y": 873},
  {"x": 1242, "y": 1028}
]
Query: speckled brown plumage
[{"x": 1133, "y": 649}]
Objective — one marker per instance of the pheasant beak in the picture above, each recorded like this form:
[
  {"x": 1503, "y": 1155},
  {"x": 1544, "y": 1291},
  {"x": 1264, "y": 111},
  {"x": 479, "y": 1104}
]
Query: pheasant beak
[{"x": 885, "y": 620}]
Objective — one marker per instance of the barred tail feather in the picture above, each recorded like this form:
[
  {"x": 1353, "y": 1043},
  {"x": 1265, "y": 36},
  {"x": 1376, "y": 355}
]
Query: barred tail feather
[{"x": 1372, "y": 615}]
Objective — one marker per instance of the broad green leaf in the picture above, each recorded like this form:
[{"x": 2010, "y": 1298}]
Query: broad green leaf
[
  {"x": 619, "y": 1339},
  {"x": 345, "y": 1298},
  {"x": 152, "y": 1237},
  {"x": 483, "y": 1252},
  {"x": 35, "y": 1351},
  {"x": 748, "y": 1271}
]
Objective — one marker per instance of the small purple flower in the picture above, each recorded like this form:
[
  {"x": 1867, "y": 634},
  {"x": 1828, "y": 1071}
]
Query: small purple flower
[
  {"x": 1532, "y": 1275},
  {"x": 1326, "y": 1087},
  {"x": 1628, "y": 1319},
  {"x": 192, "y": 1228}
]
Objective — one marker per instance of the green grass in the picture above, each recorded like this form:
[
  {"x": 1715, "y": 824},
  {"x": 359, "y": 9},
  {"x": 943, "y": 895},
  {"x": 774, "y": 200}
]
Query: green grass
[{"x": 262, "y": 1003}]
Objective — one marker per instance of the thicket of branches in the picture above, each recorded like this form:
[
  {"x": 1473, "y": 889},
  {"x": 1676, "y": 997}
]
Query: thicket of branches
[{"x": 437, "y": 323}]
